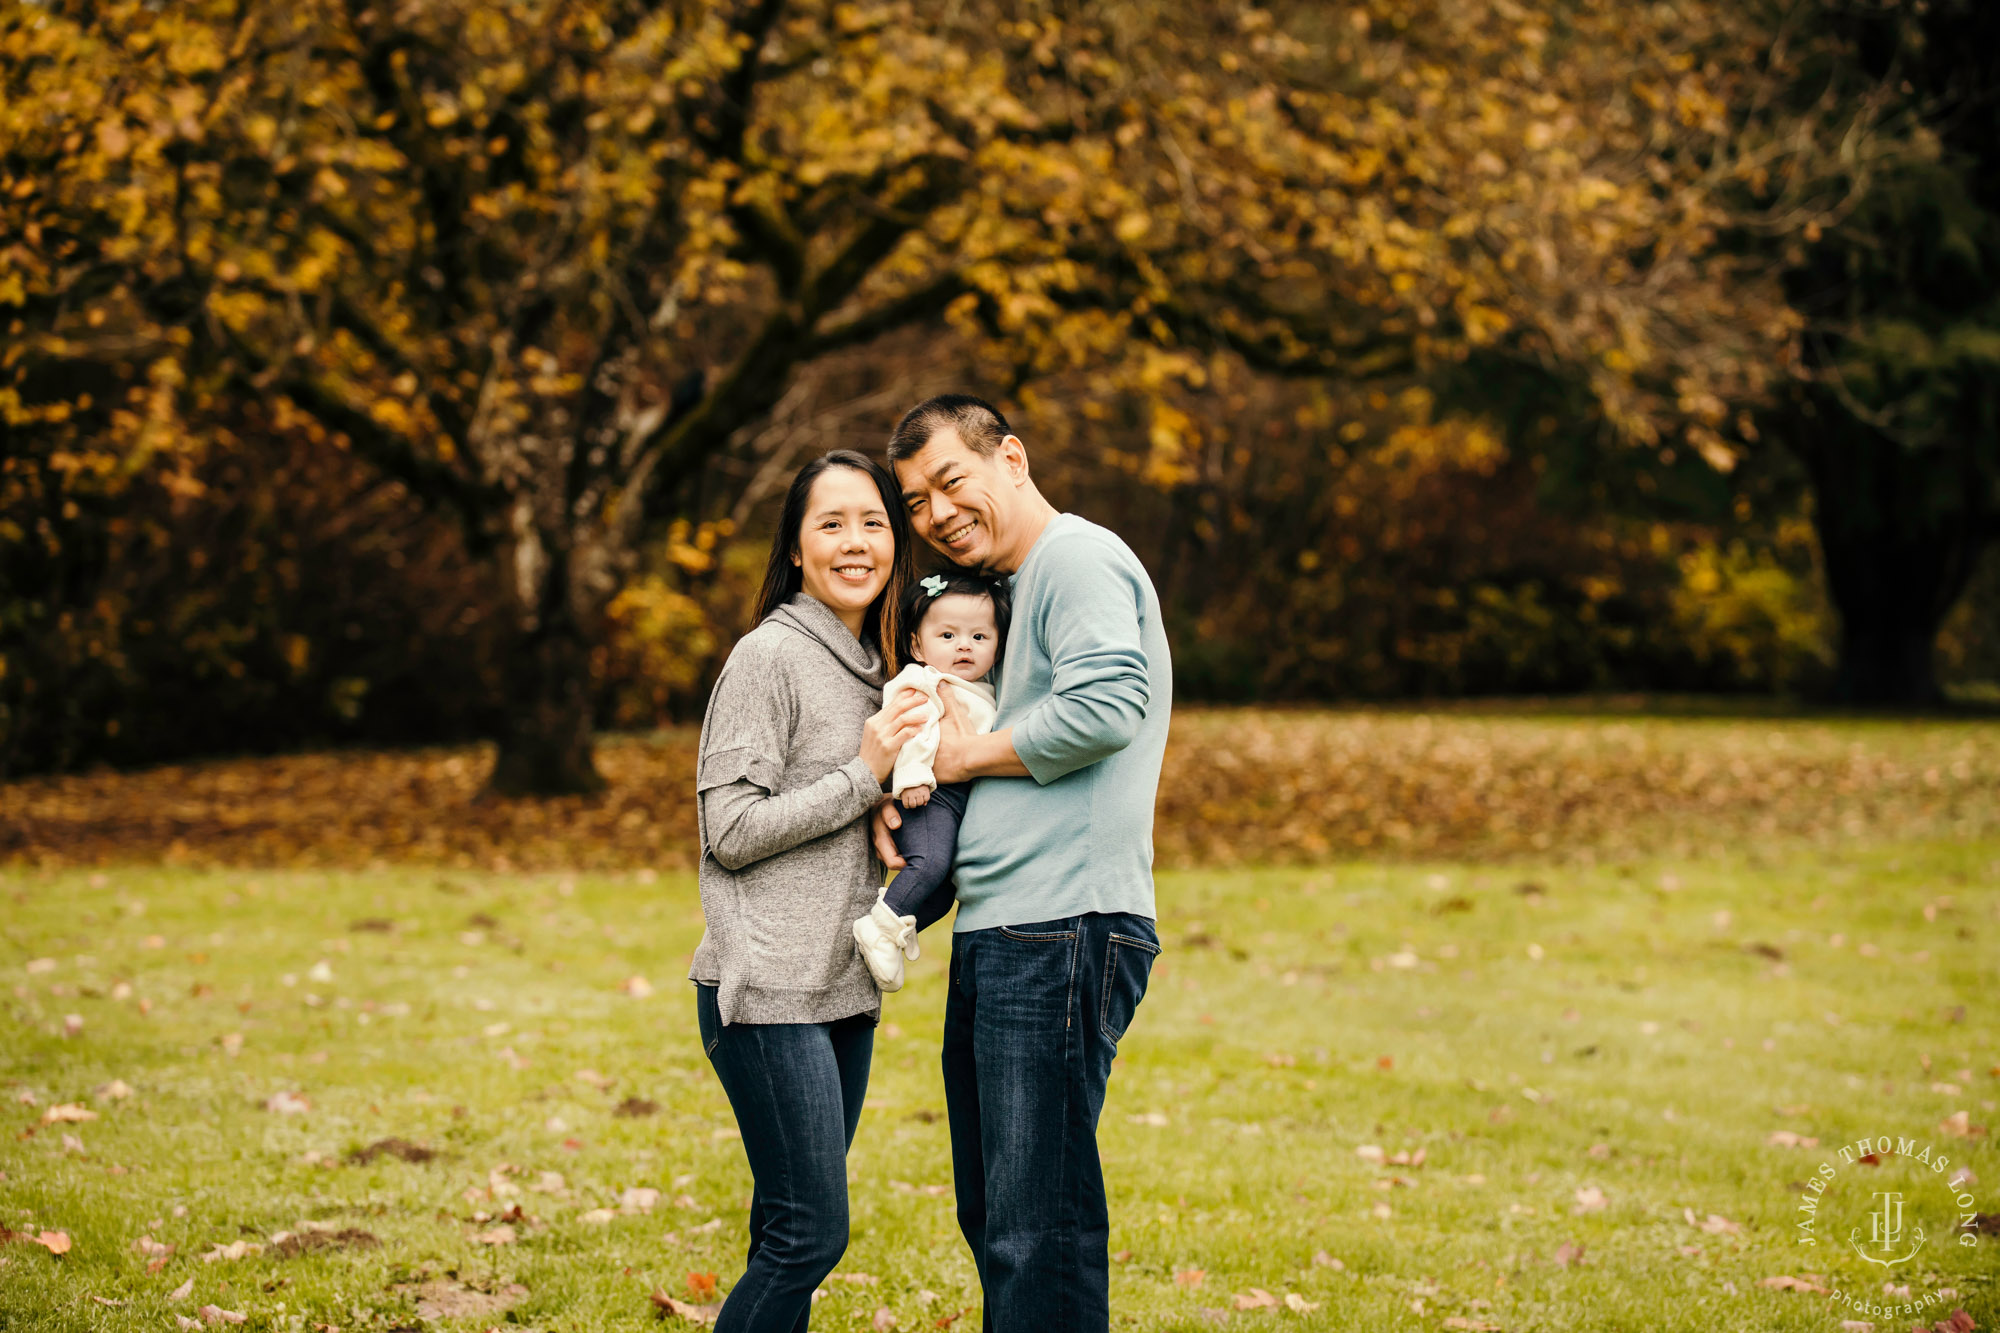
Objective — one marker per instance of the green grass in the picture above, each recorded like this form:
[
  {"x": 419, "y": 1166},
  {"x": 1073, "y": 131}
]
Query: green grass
[{"x": 1294, "y": 1016}]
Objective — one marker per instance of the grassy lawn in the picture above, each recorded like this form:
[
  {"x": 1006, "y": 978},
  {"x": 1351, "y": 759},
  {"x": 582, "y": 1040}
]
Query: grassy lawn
[{"x": 1535, "y": 1094}]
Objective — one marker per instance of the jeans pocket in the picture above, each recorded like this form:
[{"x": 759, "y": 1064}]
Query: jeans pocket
[
  {"x": 708, "y": 1019},
  {"x": 1128, "y": 963},
  {"x": 1036, "y": 934}
]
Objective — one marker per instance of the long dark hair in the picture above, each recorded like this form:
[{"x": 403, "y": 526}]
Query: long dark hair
[{"x": 783, "y": 579}]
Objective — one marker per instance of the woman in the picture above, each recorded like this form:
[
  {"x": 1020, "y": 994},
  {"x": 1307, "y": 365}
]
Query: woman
[{"x": 793, "y": 756}]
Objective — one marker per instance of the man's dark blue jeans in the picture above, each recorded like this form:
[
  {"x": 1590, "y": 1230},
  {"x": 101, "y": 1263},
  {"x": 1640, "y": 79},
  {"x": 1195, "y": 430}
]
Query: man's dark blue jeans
[
  {"x": 1031, "y": 1025},
  {"x": 796, "y": 1089}
]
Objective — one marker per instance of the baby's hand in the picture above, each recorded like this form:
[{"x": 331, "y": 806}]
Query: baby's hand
[{"x": 915, "y": 797}]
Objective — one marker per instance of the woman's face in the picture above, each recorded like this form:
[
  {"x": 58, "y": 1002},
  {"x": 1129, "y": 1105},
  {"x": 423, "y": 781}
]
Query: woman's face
[{"x": 846, "y": 548}]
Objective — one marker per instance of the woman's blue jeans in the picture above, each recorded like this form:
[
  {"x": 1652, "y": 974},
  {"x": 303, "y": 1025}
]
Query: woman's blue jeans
[{"x": 796, "y": 1089}]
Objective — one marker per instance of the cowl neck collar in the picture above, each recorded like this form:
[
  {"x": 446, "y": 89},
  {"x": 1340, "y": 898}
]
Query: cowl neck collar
[{"x": 816, "y": 620}]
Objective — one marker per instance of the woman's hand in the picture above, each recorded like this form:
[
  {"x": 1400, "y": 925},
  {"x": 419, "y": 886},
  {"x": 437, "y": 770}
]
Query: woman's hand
[
  {"x": 882, "y": 828},
  {"x": 883, "y": 735}
]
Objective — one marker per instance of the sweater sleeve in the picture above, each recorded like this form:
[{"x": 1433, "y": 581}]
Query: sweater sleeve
[
  {"x": 1099, "y": 686},
  {"x": 913, "y": 761},
  {"x": 744, "y": 817}
]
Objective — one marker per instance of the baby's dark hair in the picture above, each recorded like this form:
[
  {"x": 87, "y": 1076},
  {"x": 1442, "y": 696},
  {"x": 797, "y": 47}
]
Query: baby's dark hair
[{"x": 918, "y": 596}]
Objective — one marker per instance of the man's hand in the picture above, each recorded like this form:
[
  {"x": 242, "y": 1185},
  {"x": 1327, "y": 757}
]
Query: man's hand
[
  {"x": 964, "y": 755},
  {"x": 950, "y": 764},
  {"x": 886, "y": 818}
]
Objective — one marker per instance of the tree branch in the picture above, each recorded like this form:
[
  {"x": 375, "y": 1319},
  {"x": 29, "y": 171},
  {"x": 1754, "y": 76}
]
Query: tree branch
[
  {"x": 921, "y": 303},
  {"x": 431, "y": 480}
]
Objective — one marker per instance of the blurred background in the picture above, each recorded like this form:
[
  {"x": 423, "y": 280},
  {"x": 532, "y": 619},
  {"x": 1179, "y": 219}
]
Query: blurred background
[{"x": 392, "y": 373}]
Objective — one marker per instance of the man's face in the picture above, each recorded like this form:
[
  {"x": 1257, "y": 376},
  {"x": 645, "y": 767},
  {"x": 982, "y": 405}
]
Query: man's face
[{"x": 965, "y": 505}]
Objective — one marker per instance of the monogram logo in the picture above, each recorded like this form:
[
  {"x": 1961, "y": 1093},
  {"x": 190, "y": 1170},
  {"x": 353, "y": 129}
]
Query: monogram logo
[{"x": 1885, "y": 1232}]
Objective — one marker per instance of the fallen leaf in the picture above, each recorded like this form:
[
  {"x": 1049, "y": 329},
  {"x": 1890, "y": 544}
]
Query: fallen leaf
[
  {"x": 67, "y": 1111},
  {"x": 694, "y": 1314},
  {"x": 636, "y": 987},
  {"x": 183, "y": 1322},
  {"x": 1189, "y": 1277},
  {"x": 1255, "y": 1299},
  {"x": 593, "y": 1078},
  {"x": 1369, "y": 1152},
  {"x": 1786, "y": 1282},
  {"x": 1298, "y": 1304},
  {"x": 239, "y": 1249},
  {"x": 1856, "y": 1326},
  {"x": 117, "y": 1090},
  {"x": 1714, "y": 1224},
  {"x": 500, "y": 1235},
  {"x": 1959, "y": 1125},
  {"x": 215, "y": 1314},
  {"x": 1589, "y": 1199},
  {"x": 1784, "y": 1138},
  {"x": 1460, "y": 1322},
  {"x": 883, "y": 1320},
  {"x": 148, "y": 1246},
  {"x": 55, "y": 1242},
  {"x": 106, "y": 1300},
  {"x": 310, "y": 1237},
  {"x": 701, "y": 1286},
  {"x": 288, "y": 1103},
  {"x": 1569, "y": 1254},
  {"x": 440, "y": 1298},
  {"x": 400, "y": 1149},
  {"x": 638, "y": 1199},
  {"x": 182, "y": 1292},
  {"x": 1324, "y": 1260},
  {"x": 598, "y": 1216}
]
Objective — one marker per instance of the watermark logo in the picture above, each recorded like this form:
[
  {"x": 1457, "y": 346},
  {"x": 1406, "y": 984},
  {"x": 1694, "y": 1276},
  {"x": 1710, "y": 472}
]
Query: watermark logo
[
  {"x": 1886, "y": 1201},
  {"x": 1885, "y": 1232}
]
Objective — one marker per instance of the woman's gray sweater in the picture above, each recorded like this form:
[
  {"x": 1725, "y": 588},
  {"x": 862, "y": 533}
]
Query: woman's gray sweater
[{"x": 787, "y": 864}]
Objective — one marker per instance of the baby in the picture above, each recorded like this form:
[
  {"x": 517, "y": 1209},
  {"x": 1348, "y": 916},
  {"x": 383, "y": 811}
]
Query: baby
[{"x": 956, "y": 624}]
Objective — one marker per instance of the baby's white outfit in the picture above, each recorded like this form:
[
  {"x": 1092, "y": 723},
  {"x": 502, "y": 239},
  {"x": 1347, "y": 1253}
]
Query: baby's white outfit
[{"x": 976, "y": 709}]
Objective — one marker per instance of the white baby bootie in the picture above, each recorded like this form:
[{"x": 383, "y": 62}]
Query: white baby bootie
[{"x": 885, "y": 940}]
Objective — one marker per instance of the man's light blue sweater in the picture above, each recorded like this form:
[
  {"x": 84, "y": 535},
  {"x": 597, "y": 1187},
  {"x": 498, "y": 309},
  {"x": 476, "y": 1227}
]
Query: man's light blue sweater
[{"x": 1087, "y": 685}]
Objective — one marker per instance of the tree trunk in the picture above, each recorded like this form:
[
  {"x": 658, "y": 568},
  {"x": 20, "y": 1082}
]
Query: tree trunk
[
  {"x": 1900, "y": 532},
  {"x": 545, "y": 732}
]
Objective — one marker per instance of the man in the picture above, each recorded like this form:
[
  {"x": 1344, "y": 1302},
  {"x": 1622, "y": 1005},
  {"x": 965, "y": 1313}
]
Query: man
[{"x": 1054, "y": 937}]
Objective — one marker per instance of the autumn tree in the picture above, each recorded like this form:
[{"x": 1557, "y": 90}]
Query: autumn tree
[
  {"x": 537, "y": 261},
  {"x": 1885, "y": 187},
  {"x": 543, "y": 262}
]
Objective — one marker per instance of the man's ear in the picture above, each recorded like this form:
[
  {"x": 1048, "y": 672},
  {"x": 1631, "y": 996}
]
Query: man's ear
[{"x": 1014, "y": 457}]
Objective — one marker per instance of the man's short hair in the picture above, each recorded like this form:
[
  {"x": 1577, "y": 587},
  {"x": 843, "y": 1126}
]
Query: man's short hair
[{"x": 977, "y": 422}]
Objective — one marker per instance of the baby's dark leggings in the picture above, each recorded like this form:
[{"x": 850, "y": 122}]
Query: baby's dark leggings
[{"x": 928, "y": 840}]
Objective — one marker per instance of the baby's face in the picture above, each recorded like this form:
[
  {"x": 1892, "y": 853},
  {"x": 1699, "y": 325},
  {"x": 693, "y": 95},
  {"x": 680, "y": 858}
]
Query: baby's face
[{"x": 959, "y": 636}]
